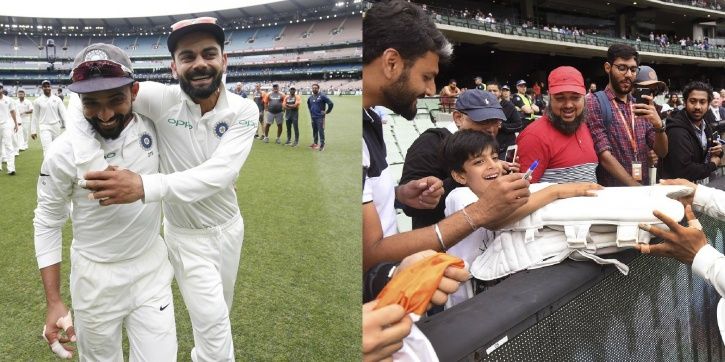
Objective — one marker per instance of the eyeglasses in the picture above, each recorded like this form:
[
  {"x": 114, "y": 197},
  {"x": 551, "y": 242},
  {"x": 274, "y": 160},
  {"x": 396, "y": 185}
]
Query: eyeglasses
[
  {"x": 186, "y": 22},
  {"x": 623, "y": 68},
  {"x": 99, "y": 69}
]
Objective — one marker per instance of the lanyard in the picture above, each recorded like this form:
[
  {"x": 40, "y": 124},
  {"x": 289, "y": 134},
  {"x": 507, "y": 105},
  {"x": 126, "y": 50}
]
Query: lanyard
[{"x": 630, "y": 134}]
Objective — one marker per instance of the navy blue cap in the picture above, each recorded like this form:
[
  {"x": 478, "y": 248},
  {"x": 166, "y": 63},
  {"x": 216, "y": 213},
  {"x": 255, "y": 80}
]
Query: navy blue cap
[
  {"x": 479, "y": 105},
  {"x": 520, "y": 82}
]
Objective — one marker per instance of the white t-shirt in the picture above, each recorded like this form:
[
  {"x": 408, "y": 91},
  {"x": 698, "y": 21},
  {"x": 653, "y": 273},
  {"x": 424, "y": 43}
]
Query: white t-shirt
[
  {"x": 383, "y": 188},
  {"x": 47, "y": 111}
]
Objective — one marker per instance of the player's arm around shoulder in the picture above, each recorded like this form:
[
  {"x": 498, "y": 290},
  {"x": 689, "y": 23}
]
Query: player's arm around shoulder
[{"x": 153, "y": 98}]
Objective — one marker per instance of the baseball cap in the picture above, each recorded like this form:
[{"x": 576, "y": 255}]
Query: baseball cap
[
  {"x": 520, "y": 82},
  {"x": 100, "y": 67},
  {"x": 45, "y": 81},
  {"x": 648, "y": 77},
  {"x": 202, "y": 24},
  {"x": 505, "y": 86},
  {"x": 479, "y": 105},
  {"x": 566, "y": 79}
]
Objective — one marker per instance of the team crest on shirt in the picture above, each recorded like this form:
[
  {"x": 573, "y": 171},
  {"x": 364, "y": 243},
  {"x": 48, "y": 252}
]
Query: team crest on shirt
[
  {"x": 146, "y": 141},
  {"x": 220, "y": 128}
]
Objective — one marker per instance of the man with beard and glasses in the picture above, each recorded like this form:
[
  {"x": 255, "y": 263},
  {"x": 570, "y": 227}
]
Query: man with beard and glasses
[
  {"x": 560, "y": 140},
  {"x": 205, "y": 135},
  {"x": 624, "y": 131},
  {"x": 120, "y": 271},
  {"x": 475, "y": 109},
  {"x": 693, "y": 155},
  {"x": 48, "y": 117}
]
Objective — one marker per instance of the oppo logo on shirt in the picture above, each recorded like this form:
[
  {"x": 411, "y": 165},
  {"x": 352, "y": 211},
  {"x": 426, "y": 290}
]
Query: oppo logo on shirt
[
  {"x": 180, "y": 123},
  {"x": 247, "y": 123}
]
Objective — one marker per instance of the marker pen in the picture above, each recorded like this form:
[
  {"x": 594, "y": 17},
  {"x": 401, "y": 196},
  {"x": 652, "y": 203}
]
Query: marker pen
[{"x": 531, "y": 169}]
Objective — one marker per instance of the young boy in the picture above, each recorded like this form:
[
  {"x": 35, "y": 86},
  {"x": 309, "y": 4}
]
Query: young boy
[{"x": 473, "y": 162}]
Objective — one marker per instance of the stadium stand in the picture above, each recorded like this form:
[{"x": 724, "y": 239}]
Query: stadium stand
[{"x": 269, "y": 48}]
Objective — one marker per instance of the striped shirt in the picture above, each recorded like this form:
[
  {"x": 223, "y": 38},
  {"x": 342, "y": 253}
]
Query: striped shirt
[{"x": 562, "y": 158}]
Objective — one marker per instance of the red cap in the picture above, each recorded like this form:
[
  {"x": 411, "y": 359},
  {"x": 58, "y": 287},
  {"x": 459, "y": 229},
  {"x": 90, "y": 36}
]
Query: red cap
[{"x": 566, "y": 79}]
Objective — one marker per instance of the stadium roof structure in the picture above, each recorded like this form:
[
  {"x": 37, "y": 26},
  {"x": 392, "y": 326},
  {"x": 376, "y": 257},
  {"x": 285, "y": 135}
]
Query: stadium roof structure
[{"x": 92, "y": 14}]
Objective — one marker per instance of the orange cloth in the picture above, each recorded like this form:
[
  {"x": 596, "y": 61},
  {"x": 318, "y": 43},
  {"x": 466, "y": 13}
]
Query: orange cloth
[{"x": 413, "y": 287}]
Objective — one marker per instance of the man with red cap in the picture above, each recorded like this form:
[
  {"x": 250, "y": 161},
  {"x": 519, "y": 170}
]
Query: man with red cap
[{"x": 560, "y": 140}]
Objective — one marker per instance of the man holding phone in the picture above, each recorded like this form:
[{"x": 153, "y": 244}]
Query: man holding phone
[
  {"x": 624, "y": 131},
  {"x": 560, "y": 140},
  {"x": 694, "y": 153}
]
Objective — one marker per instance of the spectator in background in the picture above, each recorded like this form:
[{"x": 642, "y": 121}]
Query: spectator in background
[
  {"x": 319, "y": 105},
  {"x": 506, "y": 93},
  {"x": 239, "y": 90},
  {"x": 592, "y": 87},
  {"x": 623, "y": 131},
  {"x": 674, "y": 101},
  {"x": 49, "y": 115},
  {"x": 273, "y": 105},
  {"x": 693, "y": 155},
  {"x": 258, "y": 96},
  {"x": 647, "y": 78},
  {"x": 524, "y": 104},
  {"x": 715, "y": 116},
  {"x": 560, "y": 140},
  {"x": 478, "y": 81},
  {"x": 511, "y": 124},
  {"x": 448, "y": 96},
  {"x": 722, "y": 93},
  {"x": 292, "y": 106}
]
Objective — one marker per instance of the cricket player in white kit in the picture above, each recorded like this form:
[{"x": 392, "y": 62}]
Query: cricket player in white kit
[
  {"x": 205, "y": 134},
  {"x": 8, "y": 127},
  {"x": 120, "y": 272},
  {"x": 24, "y": 109},
  {"x": 48, "y": 117}
]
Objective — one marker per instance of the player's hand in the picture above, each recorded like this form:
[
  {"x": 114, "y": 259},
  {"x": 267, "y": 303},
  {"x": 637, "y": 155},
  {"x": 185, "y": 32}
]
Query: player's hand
[
  {"x": 33, "y": 136},
  {"x": 452, "y": 277},
  {"x": 716, "y": 150},
  {"x": 383, "y": 331},
  {"x": 424, "y": 193},
  {"x": 681, "y": 243},
  {"x": 502, "y": 196},
  {"x": 114, "y": 186},
  {"x": 686, "y": 200},
  {"x": 58, "y": 321}
]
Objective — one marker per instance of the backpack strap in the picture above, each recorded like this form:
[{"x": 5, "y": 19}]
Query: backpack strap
[{"x": 608, "y": 116}]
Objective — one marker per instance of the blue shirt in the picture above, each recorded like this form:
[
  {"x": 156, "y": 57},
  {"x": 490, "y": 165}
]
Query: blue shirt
[{"x": 319, "y": 105}]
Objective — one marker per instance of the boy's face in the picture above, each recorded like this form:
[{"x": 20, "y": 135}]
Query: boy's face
[{"x": 480, "y": 171}]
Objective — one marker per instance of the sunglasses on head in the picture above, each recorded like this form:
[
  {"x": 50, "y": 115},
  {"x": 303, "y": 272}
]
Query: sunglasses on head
[
  {"x": 99, "y": 69},
  {"x": 184, "y": 23}
]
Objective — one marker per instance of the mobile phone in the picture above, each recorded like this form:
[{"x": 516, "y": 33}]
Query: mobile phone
[
  {"x": 637, "y": 93},
  {"x": 511, "y": 152}
]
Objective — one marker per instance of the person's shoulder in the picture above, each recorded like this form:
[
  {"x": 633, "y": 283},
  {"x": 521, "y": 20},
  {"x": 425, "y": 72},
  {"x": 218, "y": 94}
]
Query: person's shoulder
[{"x": 60, "y": 150}]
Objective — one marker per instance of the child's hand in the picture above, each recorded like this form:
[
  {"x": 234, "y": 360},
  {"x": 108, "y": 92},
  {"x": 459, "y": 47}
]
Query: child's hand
[
  {"x": 509, "y": 167},
  {"x": 567, "y": 190}
]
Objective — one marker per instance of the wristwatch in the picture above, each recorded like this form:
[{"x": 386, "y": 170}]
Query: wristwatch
[{"x": 660, "y": 129}]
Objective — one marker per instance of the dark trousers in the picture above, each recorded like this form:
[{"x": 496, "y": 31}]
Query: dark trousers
[
  {"x": 291, "y": 121},
  {"x": 318, "y": 128}
]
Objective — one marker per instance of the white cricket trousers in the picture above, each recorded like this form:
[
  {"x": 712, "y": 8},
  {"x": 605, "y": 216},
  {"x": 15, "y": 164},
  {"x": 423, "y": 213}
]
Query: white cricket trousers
[
  {"x": 8, "y": 151},
  {"x": 48, "y": 134},
  {"x": 205, "y": 263},
  {"x": 21, "y": 140},
  {"x": 134, "y": 292}
]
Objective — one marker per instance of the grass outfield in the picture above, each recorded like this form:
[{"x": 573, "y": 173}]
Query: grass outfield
[{"x": 298, "y": 289}]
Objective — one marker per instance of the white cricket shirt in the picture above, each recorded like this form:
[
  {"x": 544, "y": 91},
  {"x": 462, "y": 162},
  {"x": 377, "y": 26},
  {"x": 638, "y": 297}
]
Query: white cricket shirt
[
  {"x": 47, "y": 111},
  {"x": 201, "y": 156},
  {"x": 100, "y": 233},
  {"x": 6, "y": 119}
]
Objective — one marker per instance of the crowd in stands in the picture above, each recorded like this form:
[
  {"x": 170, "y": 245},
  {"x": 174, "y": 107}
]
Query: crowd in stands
[{"x": 571, "y": 145}]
